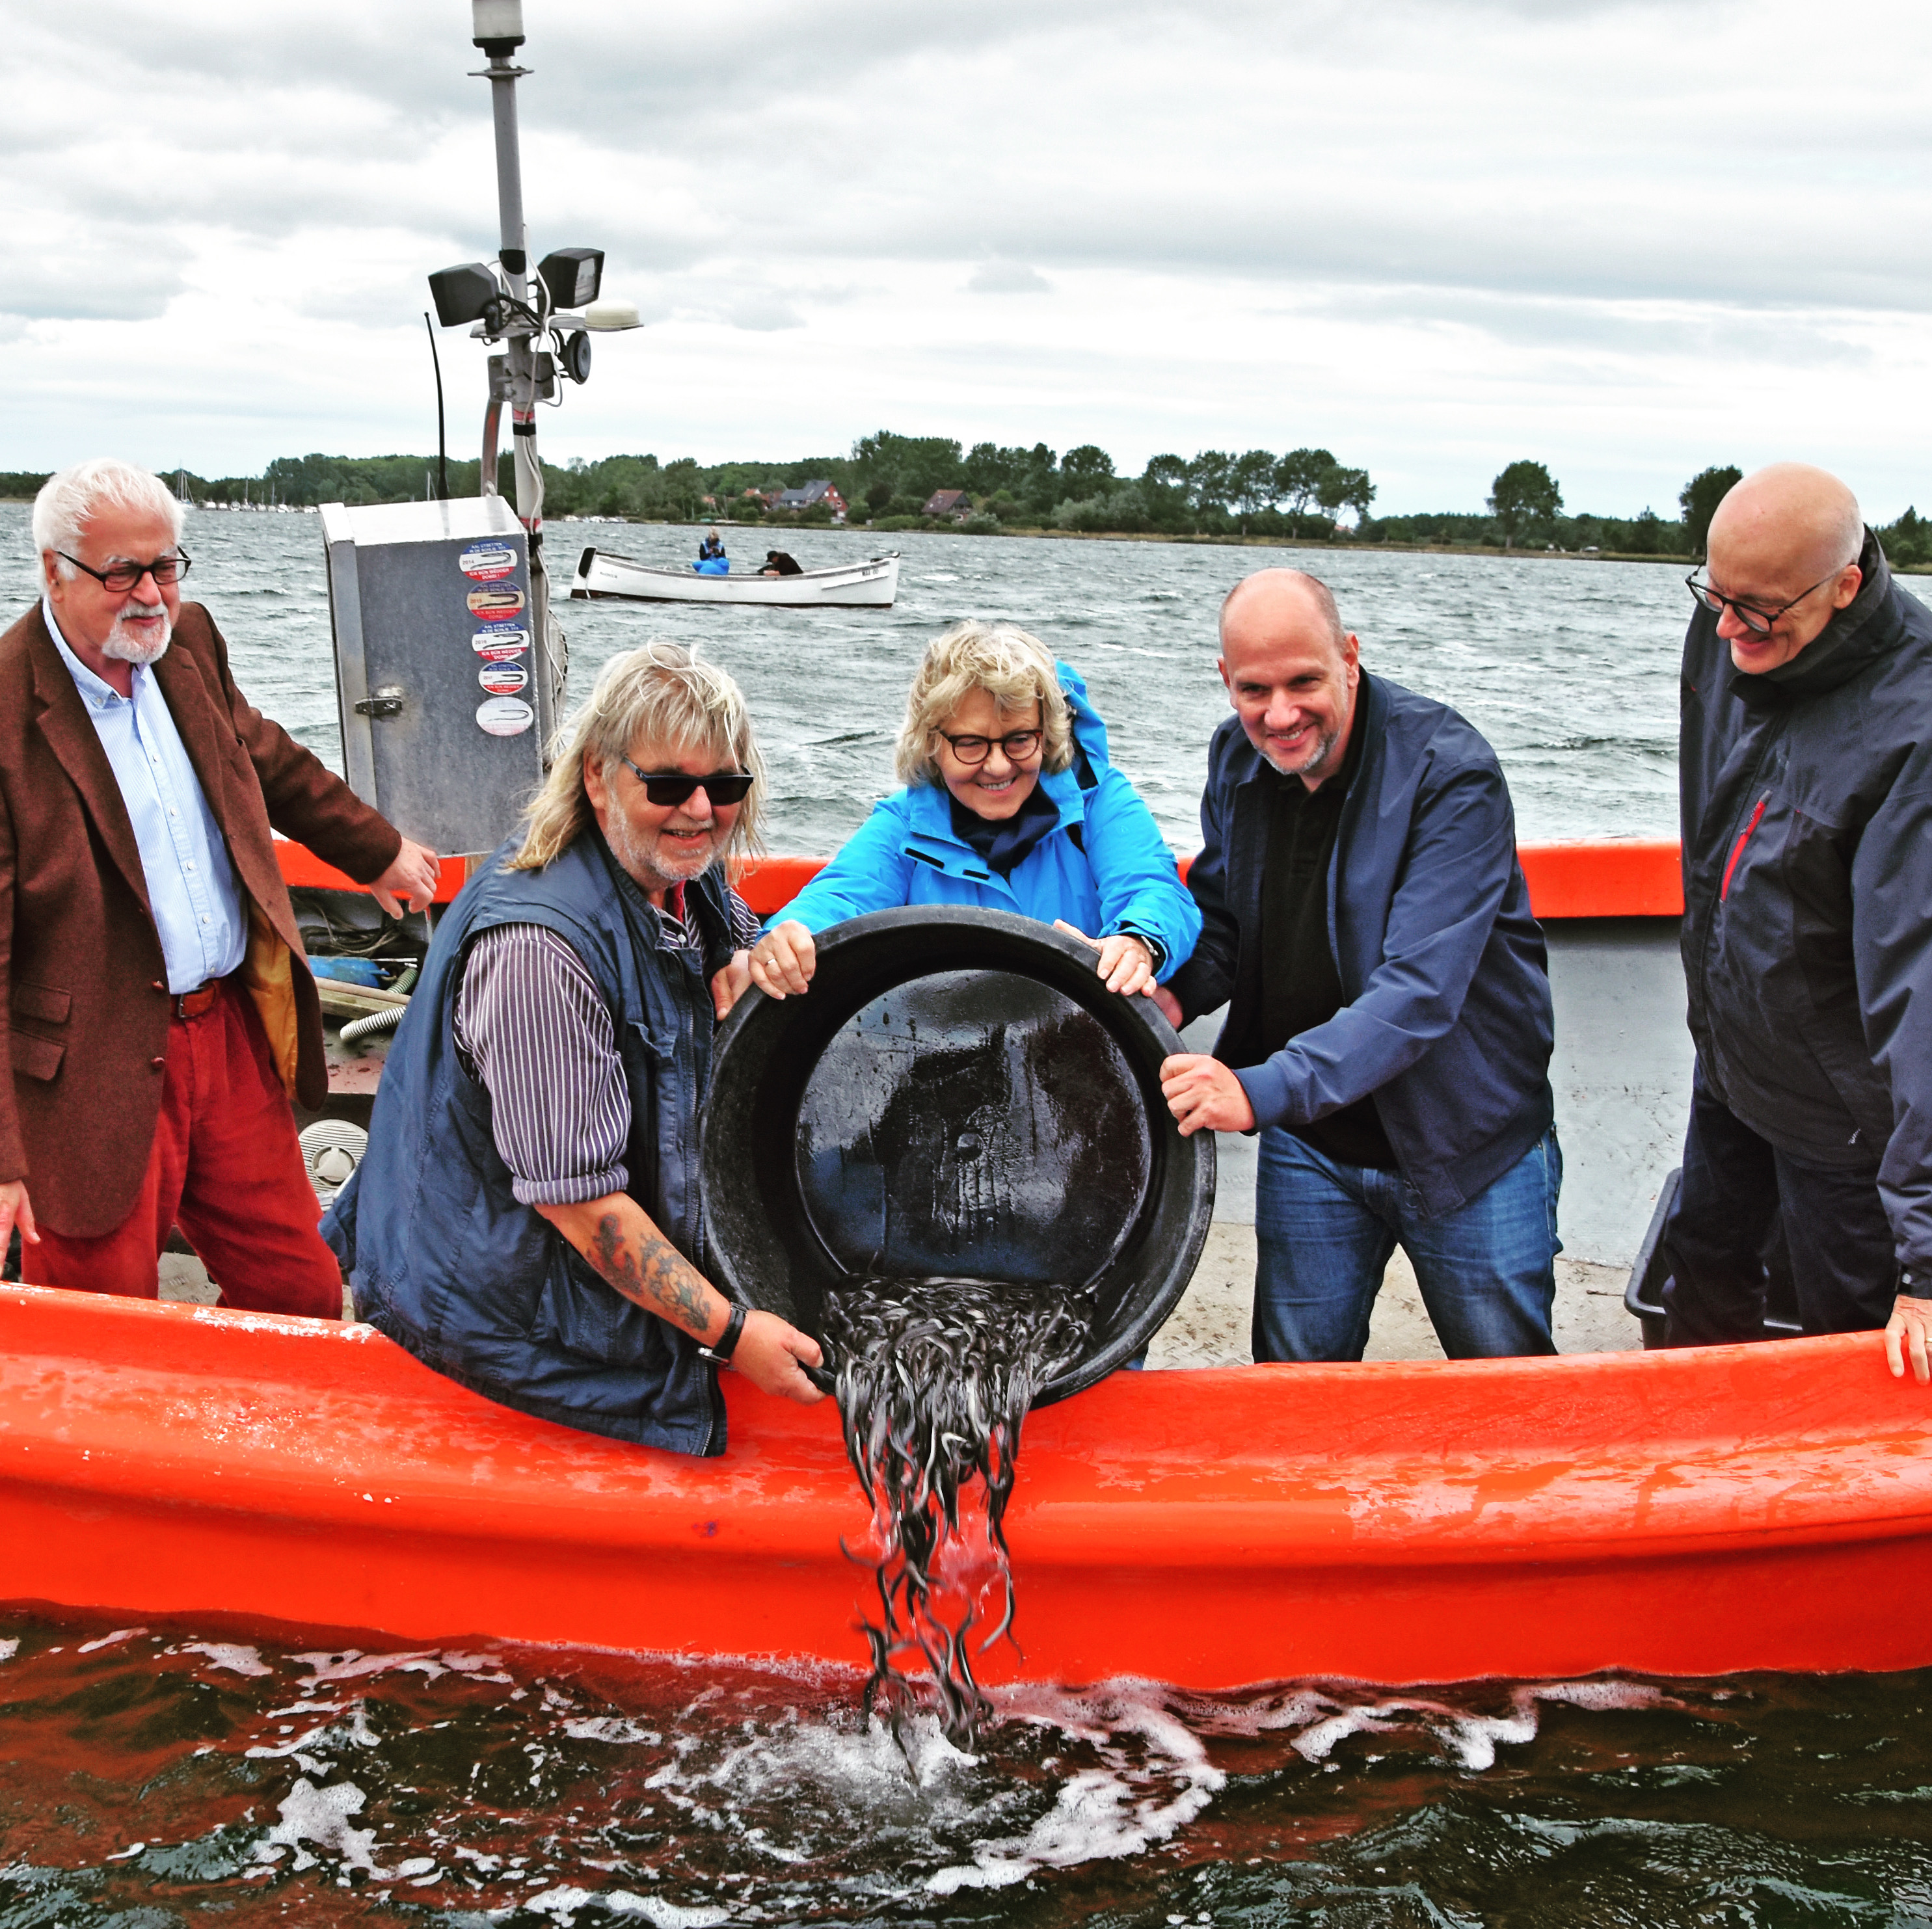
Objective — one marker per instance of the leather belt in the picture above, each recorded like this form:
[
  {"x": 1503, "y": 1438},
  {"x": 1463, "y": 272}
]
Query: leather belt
[{"x": 193, "y": 1004}]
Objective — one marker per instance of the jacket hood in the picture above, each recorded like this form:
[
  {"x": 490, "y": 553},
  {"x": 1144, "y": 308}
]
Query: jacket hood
[{"x": 1868, "y": 627}]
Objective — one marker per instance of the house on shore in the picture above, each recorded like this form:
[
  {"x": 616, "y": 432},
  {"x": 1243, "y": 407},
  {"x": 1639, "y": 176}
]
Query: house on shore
[
  {"x": 953, "y": 502},
  {"x": 810, "y": 497}
]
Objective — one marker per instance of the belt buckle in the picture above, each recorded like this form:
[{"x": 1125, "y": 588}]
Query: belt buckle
[{"x": 193, "y": 1004}]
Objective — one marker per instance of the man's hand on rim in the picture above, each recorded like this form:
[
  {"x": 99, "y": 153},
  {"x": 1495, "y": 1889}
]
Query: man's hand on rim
[
  {"x": 1203, "y": 1093},
  {"x": 410, "y": 880},
  {"x": 768, "y": 1353},
  {"x": 16, "y": 1210},
  {"x": 1908, "y": 1333}
]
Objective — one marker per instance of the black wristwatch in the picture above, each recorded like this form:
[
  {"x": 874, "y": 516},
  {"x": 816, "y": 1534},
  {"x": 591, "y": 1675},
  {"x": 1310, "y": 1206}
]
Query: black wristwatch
[{"x": 727, "y": 1342}]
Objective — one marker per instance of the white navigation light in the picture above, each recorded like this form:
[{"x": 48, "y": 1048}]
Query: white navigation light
[
  {"x": 607, "y": 317},
  {"x": 496, "y": 26},
  {"x": 572, "y": 275},
  {"x": 463, "y": 293}
]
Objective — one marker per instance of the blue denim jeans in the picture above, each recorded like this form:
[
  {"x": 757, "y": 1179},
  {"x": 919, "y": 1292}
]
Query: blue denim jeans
[{"x": 1324, "y": 1231}]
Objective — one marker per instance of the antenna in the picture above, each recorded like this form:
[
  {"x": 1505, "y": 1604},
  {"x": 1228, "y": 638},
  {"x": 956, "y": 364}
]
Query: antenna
[{"x": 442, "y": 437}]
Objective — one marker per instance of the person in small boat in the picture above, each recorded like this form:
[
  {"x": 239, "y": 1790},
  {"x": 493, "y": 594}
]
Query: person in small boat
[
  {"x": 777, "y": 563},
  {"x": 1389, "y": 1022},
  {"x": 1806, "y": 778},
  {"x": 526, "y": 1219},
  {"x": 161, "y": 1010},
  {"x": 711, "y": 560},
  {"x": 1010, "y": 803}
]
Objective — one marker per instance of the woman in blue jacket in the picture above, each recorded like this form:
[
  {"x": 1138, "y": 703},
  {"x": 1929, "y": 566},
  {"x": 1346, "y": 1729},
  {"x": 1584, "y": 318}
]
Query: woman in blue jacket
[{"x": 1010, "y": 804}]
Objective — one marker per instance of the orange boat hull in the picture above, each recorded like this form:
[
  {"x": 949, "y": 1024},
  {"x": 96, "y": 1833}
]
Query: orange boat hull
[{"x": 1740, "y": 1507}]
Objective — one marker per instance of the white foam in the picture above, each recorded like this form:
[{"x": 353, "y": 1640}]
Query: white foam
[
  {"x": 617, "y": 1728},
  {"x": 9, "y": 1649},
  {"x": 229, "y": 1654},
  {"x": 1117, "y": 1809},
  {"x": 352, "y": 1664},
  {"x": 562, "y": 1904},
  {"x": 108, "y": 1640},
  {"x": 320, "y": 1816}
]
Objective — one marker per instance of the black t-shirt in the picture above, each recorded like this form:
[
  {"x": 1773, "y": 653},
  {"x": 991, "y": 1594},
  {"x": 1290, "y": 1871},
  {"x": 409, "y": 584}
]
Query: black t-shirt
[{"x": 1301, "y": 986}]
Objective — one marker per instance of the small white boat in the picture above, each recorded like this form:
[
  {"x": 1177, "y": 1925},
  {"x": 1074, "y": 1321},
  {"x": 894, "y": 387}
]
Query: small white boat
[{"x": 870, "y": 584}]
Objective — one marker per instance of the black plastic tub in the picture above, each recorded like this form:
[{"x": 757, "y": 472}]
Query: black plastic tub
[
  {"x": 958, "y": 1094},
  {"x": 1643, "y": 1295}
]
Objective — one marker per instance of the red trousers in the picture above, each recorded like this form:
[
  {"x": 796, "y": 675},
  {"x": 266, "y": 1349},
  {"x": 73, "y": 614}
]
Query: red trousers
[{"x": 227, "y": 1169}]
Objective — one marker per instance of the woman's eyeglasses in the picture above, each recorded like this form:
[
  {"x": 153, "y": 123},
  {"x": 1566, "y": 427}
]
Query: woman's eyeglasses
[
  {"x": 667, "y": 788},
  {"x": 1018, "y": 746}
]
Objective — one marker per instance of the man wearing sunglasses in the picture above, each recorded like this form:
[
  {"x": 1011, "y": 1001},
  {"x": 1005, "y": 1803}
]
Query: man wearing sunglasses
[
  {"x": 159, "y": 1011},
  {"x": 526, "y": 1219},
  {"x": 1806, "y": 781}
]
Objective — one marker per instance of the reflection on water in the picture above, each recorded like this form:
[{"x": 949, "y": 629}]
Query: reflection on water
[
  {"x": 1569, "y": 666},
  {"x": 157, "y": 1776}
]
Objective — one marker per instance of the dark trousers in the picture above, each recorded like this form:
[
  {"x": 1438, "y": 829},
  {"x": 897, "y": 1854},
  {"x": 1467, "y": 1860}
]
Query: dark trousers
[{"x": 1739, "y": 1193}]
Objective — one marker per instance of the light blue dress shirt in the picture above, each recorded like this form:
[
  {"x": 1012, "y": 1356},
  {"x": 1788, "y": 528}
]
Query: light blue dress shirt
[{"x": 191, "y": 886}]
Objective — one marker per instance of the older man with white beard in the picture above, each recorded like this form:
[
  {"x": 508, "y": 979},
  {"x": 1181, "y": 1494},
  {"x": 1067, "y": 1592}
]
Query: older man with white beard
[{"x": 160, "y": 1013}]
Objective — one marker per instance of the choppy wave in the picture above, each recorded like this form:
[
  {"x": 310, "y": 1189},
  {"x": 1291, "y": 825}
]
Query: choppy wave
[
  {"x": 216, "y": 1778},
  {"x": 1569, "y": 665}
]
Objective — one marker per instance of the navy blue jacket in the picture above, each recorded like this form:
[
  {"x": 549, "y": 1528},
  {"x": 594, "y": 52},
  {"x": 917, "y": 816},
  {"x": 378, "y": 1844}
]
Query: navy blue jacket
[
  {"x": 1446, "y": 1016},
  {"x": 1807, "y": 894},
  {"x": 443, "y": 1258}
]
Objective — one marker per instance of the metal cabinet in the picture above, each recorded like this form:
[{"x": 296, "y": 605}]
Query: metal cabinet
[{"x": 442, "y": 672}]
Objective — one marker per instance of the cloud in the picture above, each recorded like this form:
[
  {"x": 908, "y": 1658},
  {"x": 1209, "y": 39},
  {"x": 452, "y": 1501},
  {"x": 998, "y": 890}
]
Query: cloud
[
  {"x": 1007, "y": 277},
  {"x": 1432, "y": 234}
]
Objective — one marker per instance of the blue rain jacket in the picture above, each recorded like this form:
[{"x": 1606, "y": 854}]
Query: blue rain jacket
[
  {"x": 1447, "y": 1016},
  {"x": 1124, "y": 879},
  {"x": 713, "y": 566}
]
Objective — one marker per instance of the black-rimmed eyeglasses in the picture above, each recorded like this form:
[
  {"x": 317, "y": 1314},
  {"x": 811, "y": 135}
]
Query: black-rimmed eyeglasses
[
  {"x": 1018, "y": 746},
  {"x": 667, "y": 788},
  {"x": 1758, "y": 622},
  {"x": 118, "y": 578}
]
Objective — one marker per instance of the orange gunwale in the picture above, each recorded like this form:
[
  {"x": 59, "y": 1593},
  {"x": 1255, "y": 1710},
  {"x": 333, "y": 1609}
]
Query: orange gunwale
[{"x": 1607, "y": 878}]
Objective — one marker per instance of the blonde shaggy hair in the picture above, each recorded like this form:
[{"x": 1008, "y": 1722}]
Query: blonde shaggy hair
[
  {"x": 1013, "y": 667},
  {"x": 662, "y": 698}
]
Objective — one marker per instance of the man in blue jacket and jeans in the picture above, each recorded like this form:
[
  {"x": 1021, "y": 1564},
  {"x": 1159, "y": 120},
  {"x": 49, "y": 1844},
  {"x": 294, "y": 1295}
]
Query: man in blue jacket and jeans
[{"x": 1389, "y": 1028}]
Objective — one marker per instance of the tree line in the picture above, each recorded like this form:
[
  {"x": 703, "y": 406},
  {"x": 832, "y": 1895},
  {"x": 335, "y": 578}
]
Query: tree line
[{"x": 887, "y": 481}]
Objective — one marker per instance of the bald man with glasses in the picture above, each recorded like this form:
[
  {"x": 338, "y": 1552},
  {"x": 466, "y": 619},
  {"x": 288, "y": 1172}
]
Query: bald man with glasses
[{"x": 1806, "y": 781}]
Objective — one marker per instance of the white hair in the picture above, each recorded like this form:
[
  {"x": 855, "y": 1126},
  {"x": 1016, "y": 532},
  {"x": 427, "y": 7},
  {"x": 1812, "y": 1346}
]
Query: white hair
[{"x": 67, "y": 501}]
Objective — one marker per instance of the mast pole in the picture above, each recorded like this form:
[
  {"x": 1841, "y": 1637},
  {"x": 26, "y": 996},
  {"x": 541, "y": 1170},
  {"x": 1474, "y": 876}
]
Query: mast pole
[{"x": 498, "y": 31}]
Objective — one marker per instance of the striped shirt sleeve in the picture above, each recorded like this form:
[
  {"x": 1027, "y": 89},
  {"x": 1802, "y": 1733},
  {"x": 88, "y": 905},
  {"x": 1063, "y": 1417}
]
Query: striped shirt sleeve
[
  {"x": 531, "y": 1025},
  {"x": 746, "y": 928}
]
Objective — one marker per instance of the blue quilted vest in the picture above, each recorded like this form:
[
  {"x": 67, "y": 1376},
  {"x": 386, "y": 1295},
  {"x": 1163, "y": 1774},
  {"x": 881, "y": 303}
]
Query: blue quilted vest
[{"x": 442, "y": 1256}]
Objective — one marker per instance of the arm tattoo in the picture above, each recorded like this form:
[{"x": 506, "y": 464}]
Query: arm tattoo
[{"x": 654, "y": 1273}]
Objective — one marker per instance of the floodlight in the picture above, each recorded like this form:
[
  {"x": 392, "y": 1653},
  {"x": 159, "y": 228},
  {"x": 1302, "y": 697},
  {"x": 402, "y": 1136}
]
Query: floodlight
[
  {"x": 464, "y": 292},
  {"x": 497, "y": 26},
  {"x": 572, "y": 275}
]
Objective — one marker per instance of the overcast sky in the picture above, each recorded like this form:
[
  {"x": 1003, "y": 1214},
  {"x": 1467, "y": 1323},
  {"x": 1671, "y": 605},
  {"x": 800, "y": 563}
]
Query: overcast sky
[{"x": 1627, "y": 240}]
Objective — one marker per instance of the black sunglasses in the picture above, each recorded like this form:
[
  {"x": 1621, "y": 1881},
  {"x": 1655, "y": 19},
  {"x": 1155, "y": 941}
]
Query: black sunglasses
[
  {"x": 120, "y": 577},
  {"x": 670, "y": 787}
]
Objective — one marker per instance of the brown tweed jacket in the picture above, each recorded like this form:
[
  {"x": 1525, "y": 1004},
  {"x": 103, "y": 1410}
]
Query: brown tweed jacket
[{"x": 83, "y": 991}]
